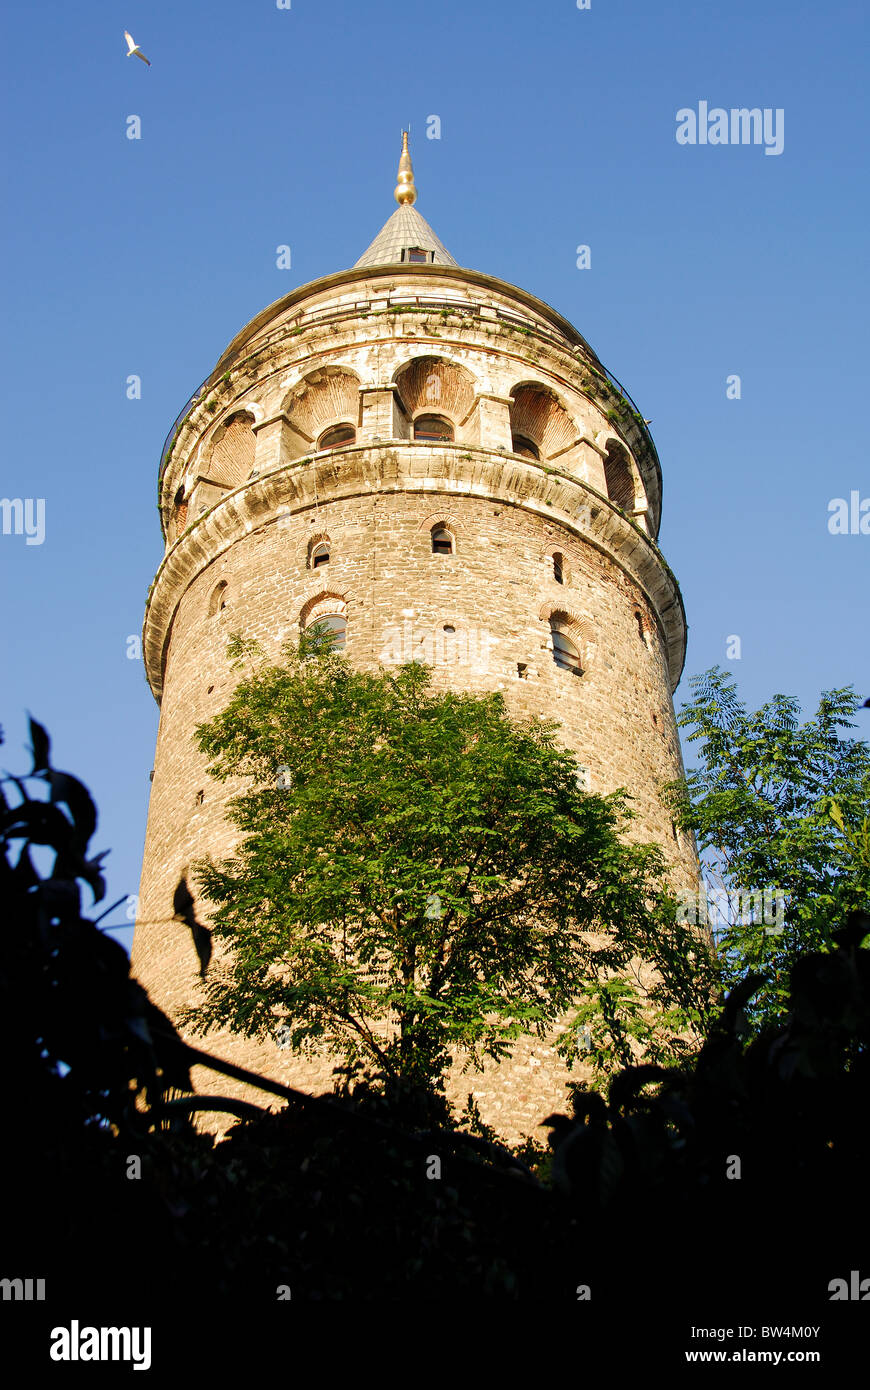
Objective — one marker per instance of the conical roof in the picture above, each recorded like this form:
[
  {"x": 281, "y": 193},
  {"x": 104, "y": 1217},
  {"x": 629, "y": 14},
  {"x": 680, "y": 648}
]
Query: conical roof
[{"x": 406, "y": 230}]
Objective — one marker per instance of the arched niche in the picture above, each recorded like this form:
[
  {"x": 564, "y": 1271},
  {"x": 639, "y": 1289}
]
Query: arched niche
[
  {"x": 227, "y": 460},
  {"x": 230, "y": 456},
  {"x": 322, "y": 401},
  {"x": 618, "y": 476},
  {"x": 434, "y": 387},
  {"x": 540, "y": 424}
]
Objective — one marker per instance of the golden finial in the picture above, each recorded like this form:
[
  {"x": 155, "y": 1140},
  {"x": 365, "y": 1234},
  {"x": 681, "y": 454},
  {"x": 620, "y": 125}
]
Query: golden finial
[{"x": 405, "y": 190}]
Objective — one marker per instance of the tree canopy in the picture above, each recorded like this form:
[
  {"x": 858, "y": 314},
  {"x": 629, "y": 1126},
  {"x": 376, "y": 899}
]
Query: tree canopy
[
  {"x": 417, "y": 874},
  {"x": 777, "y": 806}
]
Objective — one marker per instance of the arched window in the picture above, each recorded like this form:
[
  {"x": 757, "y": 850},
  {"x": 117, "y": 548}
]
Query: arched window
[
  {"x": 558, "y": 568},
  {"x": 442, "y": 541},
  {"x": 333, "y": 625},
  {"x": 565, "y": 650},
  {"x": 336, "y": 436},
  {"x": 218, "y": 598},
  {"x": 641, "y": 632},
  {"x": 524, "y": 446},
  {"x": 432, "y": 427},
  {"x": 320, "y": 555}
]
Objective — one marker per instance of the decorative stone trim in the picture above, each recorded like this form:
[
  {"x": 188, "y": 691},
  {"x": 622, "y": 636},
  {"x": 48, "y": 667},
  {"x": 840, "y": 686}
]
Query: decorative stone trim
[{"x": 364, "y": 470}]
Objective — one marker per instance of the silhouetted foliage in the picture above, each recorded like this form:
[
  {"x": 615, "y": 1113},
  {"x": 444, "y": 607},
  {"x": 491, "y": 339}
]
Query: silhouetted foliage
[
  {"x": 332, "y": 1202},
  {"x": 785, "y": 1111},
  {"x": 84, "y": 1030}
]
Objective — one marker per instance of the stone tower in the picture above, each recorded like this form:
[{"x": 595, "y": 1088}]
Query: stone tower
[{"x": 437, "y": 464}]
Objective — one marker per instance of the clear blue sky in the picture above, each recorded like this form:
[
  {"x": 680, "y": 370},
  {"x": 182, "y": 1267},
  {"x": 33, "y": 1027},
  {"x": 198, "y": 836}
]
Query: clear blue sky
[{"x": 263, "y": 126}]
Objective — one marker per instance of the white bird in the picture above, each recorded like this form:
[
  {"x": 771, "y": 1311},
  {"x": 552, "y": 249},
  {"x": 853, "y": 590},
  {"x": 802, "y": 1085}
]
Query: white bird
[{"x": 133, "y": 49}]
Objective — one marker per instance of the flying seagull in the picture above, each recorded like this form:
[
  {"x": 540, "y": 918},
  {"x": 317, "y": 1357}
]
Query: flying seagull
[{"x": 133, "y": 49}]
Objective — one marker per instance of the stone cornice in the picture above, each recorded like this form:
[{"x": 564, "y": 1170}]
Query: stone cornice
[
  {"x": 364, "y": 470},
  {"x": 392, "y": 273}
]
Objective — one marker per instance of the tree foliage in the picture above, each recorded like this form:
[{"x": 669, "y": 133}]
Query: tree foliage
[
  {"x": 416, "y": 874},
  {"x": 782, "y": 806}
]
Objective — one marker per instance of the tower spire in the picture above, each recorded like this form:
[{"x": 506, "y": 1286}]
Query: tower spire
[
  {"x": 406, "y": 192},
  {"x": 406, "y": 236}
]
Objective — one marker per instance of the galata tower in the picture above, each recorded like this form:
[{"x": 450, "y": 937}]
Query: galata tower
[{"x": 436, "y": 464}]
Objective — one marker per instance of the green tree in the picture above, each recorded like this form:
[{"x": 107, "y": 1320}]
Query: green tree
[
  {"x": 416, "y": 874},
  {"x": 780, "y": 806}
]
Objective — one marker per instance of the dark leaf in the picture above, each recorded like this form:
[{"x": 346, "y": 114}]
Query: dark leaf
[
  {"x": 41, "y": 746},
  {"x": 76, "y": 796},
  {"x": 38, "y": 822}
]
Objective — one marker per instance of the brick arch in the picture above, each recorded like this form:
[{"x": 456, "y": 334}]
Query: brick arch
[
  {"x": 566, "y": 613},
  {"x": 537, "y": 413},
  {"x": 319, "y": 605},
  {"x": 577, "y": 626},
  {"x": 325, "y": 397},
  {"x": 430, "y": 385},
  {"x": 231, "y": 450},
  {"x": 445, "y": 519},
  {"x": 576, "y": 622},
  {"x": 253, "y": 408},
  {"x": 320, "y": 538}
]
